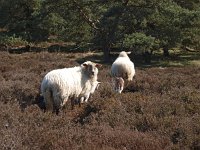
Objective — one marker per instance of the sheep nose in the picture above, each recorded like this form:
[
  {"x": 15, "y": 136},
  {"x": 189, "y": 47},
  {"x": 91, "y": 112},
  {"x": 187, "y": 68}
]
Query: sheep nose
[{"x": 92, "y": 72}]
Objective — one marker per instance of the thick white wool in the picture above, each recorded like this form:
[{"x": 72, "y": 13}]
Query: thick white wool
[
  {"x": 123, "y": 67},
  {"x": 61, "y": 84}
]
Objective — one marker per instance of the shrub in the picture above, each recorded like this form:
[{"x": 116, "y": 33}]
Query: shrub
[{"x": 12, "y": 40}]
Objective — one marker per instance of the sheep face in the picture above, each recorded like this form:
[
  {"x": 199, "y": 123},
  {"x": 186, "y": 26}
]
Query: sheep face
[
  {"x": 118, "y": 84},
  {"x": 91, "y": 68}
]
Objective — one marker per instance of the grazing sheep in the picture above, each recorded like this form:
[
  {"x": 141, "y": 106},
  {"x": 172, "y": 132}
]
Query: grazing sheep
[
  {"x": 69, "y": 83},
  {"x": 123, "y": 67},
  {"x": 118, "y": 84}
]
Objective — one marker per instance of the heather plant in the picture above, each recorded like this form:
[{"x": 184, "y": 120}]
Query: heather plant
[{"x": 159, "y": 109}]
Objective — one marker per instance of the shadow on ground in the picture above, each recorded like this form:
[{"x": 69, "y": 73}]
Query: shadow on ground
[{"x": 157, "y": 60}]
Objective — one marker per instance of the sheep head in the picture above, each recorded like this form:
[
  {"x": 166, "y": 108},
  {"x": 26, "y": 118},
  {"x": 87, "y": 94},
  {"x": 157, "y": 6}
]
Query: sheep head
[
  {"x": 118, "y": 84},
  {"x": 124, "y": 54},
  {"x": 90, "y": 68}
]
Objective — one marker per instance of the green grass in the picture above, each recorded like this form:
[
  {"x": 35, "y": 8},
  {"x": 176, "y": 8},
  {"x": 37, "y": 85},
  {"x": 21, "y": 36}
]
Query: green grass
[{"x": 176, "y": 59}]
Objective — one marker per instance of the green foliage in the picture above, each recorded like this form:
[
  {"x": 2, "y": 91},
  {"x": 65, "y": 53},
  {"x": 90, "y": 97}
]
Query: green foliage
[
  {"x": 54, "y": 23},
  {"x": 190, "y": 34},
  {"x": 192, "y": 4},
  {"x": 105, "y": 24},
  {"x": 170, "y": 23},
  {"x": 139, "y": 42},
  {"x": 12, "y": 40},
  {"x": 23, "y": 18}
]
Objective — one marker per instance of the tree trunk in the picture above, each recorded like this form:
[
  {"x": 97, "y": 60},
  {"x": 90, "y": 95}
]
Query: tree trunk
[
  {"x": 147, "y": 57},
  {"x": 106, "y": 52},
  {"x": 166, "y": 51}
]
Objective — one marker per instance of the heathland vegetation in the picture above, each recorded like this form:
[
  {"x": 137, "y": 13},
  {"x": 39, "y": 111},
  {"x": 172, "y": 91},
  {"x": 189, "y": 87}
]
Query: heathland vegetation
[{"x": 159, "y": 109}]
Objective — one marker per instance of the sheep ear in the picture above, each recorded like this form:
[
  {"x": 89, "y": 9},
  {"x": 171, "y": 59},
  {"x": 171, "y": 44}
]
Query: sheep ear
[
  {"x": 98, "y": 65},
  {"x": 84, "y": 64},
  {"x": 128, "y": 52}
]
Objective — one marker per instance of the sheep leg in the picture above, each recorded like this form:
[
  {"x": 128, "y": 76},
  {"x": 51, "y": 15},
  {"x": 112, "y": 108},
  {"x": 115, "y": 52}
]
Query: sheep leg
[
  {"x": 72, "y": 103},
  {"x": 57, "y": 102},
  {"x": 87, "y": 97},
  {"x": 48, "y": 99},
  {"x": 56, "y": 110},
  {"x": 80, "y": 101}
]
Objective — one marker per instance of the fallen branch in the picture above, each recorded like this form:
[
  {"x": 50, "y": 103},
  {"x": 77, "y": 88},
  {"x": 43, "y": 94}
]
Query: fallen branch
[{"x": 191, "y": 49}]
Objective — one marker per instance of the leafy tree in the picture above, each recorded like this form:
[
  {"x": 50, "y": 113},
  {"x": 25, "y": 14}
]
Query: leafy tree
[
  {"x": 139, "y": 42},
  {"x": 20, "y": 16},
  {"x": 170, "y": 23},
  {"x": 166, "y": 21},
  {"x": 191, "y": 4},
  {"x": 122, "y": 20},
  {"x": 139, "y": 25}
]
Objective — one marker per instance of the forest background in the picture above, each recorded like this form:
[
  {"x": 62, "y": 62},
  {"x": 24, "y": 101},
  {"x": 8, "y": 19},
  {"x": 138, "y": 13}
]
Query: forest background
[{"x": 142, "y": 26}]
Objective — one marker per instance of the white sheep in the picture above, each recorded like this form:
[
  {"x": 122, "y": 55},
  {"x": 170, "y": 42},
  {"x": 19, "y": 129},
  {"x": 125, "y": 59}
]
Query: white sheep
[
  {"x": 123, "y": 67},
  {"x": 69, "y": 83}
]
